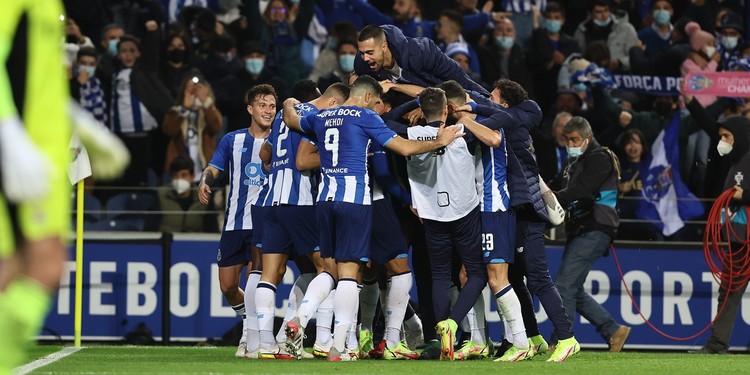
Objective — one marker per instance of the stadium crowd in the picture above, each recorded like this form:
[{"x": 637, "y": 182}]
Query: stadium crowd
[{"x": 182, "y": 83}]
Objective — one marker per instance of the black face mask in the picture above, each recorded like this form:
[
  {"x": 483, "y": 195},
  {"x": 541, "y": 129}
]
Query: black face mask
[
  {"x": 175, "y": 56},
  {"x": 663, "y": 108}
]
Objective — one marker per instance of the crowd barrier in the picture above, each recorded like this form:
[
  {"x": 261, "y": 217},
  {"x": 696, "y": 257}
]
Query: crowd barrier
[{"x": 124, "y": 285}]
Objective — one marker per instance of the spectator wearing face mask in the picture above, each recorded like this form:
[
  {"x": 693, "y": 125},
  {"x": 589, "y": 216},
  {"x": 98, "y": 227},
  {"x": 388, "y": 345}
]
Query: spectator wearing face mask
[
  {"x": 85, "y": 88},
  {"x": 657, "y": 37},
  {"x": 504, "y": 58},
  {"x": 230, "y": 91},
  {"x": 175, "y": 65},
  {"x": 730, "y": 31},
  {"x": 329, "y": 55},
  {"x": 110, "y": 37},
  {"x": 344, "y": 65},
  {"x": 192, "y": 124},
  {"x": 179, "y": 204},
  {"x": 615, "y": 30},
  {"x": 703, "y": 57},
  {"x": 548, "y": 49}
]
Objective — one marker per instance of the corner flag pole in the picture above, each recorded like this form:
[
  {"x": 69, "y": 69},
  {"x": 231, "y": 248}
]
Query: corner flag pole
[{"x": 79, "y": 265}]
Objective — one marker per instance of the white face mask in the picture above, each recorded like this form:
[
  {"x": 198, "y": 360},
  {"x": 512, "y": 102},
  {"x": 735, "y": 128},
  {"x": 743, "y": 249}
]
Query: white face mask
[
  {"x": 180, "y": 185},
  {"x": 724, "y": 148},
  {"x": 574, "y": 152},
  {"x": 710, "y": 51}
]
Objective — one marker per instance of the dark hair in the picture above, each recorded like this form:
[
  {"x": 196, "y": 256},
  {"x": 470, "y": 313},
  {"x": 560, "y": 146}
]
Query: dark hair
[
  {"x": 511, "y": 91},
  {"x": 629, "y": 135},
  {"x": 86, "y": 51},
  {"x": 129, "y": 38},
  {"x": 454, "y": 16},
  {"x": 344, "y": 42},
  {"x": 337, "y": 89},
  {"x": 653, "y": 3},
  {"x": 371, "y": 32},
  {"x": 554, "y": 7},
  {"x": 596, "y": 52},
  {"x": 305, "y": 90},
  {"x": 109, "y": 27},
  {"x": 205, "y": 20},
  {"x": 220, "y": 43},
  {"x": 454, "y": 93},
  {"x": 344, "y": 30},
  {"x": 598, "y": 3},
  {"x": 365, "y": 84},
  {"x": 432, "y": 101},
  {"x": 257, "y": 90},
  {"x": 181, "y": 162}
]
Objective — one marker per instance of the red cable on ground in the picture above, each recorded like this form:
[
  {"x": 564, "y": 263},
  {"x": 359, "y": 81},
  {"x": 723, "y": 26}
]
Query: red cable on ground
[{"x": 716, "y": 256}]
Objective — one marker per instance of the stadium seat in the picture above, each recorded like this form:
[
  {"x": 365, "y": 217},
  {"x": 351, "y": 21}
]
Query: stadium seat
[{"x": 119, "y": 204}]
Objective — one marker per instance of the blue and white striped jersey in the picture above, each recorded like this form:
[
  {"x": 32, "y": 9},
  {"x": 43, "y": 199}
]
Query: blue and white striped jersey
[
  {"x": 492, "y": 177},
  {"x": 240, "y": 153},
  {"x": 343, "y": 137},
  {"x": 520, "y": 6},
  {"x": 128, "y": 115},
  {"x": 286, "y": 183}
]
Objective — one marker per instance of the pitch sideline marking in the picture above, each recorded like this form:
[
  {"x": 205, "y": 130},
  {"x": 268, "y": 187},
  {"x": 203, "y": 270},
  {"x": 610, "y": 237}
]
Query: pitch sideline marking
[{"x": 41, "y": 362}]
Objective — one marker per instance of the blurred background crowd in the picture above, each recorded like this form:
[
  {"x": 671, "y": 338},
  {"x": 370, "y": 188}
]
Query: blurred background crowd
[{"x": 169, "y": 78}]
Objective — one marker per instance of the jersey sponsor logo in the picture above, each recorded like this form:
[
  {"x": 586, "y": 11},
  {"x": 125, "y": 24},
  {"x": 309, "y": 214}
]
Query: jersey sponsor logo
[
  {"x": 280, "y": 163},
  {"x": 255, "y": 175},
  {"x": 339, "y": 170}
]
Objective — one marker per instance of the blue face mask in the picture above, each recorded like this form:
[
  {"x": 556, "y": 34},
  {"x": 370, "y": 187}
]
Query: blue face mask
[
  {"x": 346, "y": 63},
  {"x": 254, "y": 66},
  {"x": 601, "y": 23},
  {"x": 574, "y": 152},
  {"x": 553, "y": 26},
  {"x": 661, "y": 17},
  {"x": 580, "y": 87},
  {"x": 504, "y": 42},
  {"x": 112, "y": 46},
  {"x": 90, "y": 70}
]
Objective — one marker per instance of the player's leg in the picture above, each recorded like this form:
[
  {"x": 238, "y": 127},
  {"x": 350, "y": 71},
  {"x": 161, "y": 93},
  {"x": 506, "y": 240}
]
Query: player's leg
[
  {"x": 345, "y": 305},
  {"x": 439, "y": 248},
  {"x": 468, "y": 244},
  {"x": 397, "y": 302},
  {"x": 234, "y": 253},
  {"x": 368, "y": 303},
  {"x": 255, "y": 269}
]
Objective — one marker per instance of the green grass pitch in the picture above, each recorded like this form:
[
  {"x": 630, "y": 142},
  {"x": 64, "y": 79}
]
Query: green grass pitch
[{"x": 209, "y": 360}]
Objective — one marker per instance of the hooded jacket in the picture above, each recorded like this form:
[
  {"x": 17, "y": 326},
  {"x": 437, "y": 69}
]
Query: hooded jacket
[
  {"x": 589, "y": 194},
  {"x": 739, "y": 171},
  {"x": 422, "y": 63}
]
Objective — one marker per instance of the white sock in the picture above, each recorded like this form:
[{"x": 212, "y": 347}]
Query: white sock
[
  {"x": 345, "y": 309},
  {"x": 413, "y": 323},
  {"x": 265, "y": 301},
  {"x": 295, "y": 296},
  {"x": 507, "y": 301},
  {"x": 317, "y": 291},
  {"x": 396, "y": 303},
  {"x": 368, "y": 302},
  {"x": 251, "y": 318},
  {"x": 352, "y": 340},
  {"x": 476, "y": 321},
  {"x": 324, "y": 320}
]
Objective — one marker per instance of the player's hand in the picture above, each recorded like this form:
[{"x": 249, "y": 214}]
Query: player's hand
[
  {"x": 290, "y": 103},
  {"x": 414, "y": 116},
  {"x": 386, "y": 84},
  {"x": 108, "y": 155},
  {"x": 204, "y": 192},
  {"x": 414, "y": 211},
  {"x": 446, "y": 134},
  {"x": 26, "y": 169}
]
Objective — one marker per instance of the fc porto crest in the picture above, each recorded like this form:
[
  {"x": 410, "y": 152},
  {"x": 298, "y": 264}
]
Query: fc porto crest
[
  {"x": 699, "y": 82},
  {"x": 657, "y": 184}
]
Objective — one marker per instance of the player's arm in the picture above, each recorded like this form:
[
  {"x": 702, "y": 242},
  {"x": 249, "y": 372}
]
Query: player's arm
[
  {"x": 404, "y": 88},
  {"x": 408, "y": 147},
  {"x": 207, "y": 179},
  {"x": 489, "y": 137},
  {"x": 265, "y": 153},
  {"x": 307, "y": 156},
  {"x": 291, "y": 118}
]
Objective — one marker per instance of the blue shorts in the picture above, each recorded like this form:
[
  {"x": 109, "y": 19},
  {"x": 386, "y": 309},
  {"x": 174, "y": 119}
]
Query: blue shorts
[
  {"x": 291, "y": 230},
  {"x": 345, "y": 230},
  {"x": 235, "y": 247},
  {"x": 258, "y": 215},
  {"x": 498, "y": 236},
  {"x": 387, "y": 242}
]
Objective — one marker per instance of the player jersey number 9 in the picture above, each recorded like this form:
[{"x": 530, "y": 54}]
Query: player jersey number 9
[
  {"x": 332, "y": 144},
  {"x": 283, "y": 135}
]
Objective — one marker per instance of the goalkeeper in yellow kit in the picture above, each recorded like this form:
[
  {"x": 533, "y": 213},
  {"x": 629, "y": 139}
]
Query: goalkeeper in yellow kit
[{"x": 35, "y": 129}]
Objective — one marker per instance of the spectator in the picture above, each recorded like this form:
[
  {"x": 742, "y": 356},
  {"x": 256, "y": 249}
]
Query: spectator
[
  {"x": 634, "y": 151},
  {"x": 460, "y": 53},
  {"x": 344, "y": 65},
  {"x": 525, "y": 15},
  {"x": 328, "y": 59},
  {"x": 176, "y": 65},
  {"x": 230, "y": 91},
  {"x": 85, "y": 87},
  {"x": 504, "y": 58},
  {"x": 469, "y": 7},
  {"x": 111, "y": 35},
  {"x": 179, "y": 204},
  {"x": 281, "y": 29},
  {"x": 667, "y": 63},
  {"x": 614, "y": 30},
  {"x": 550, "y": 149},
  {"x": 221, "y": 61},
  {"x": 548, "y": 49},
  {"x": 648, "y": 122},
  {"x": 449, "y": 33},
  {"x": 192, "y": 124},
  {"x": 702, "y": 57},
  {"x": 139, "y": 101},
  {"x": 730, "y": 32},
  {"x": 657, "y": 37},
  {"x": 74, "y": 40}
]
